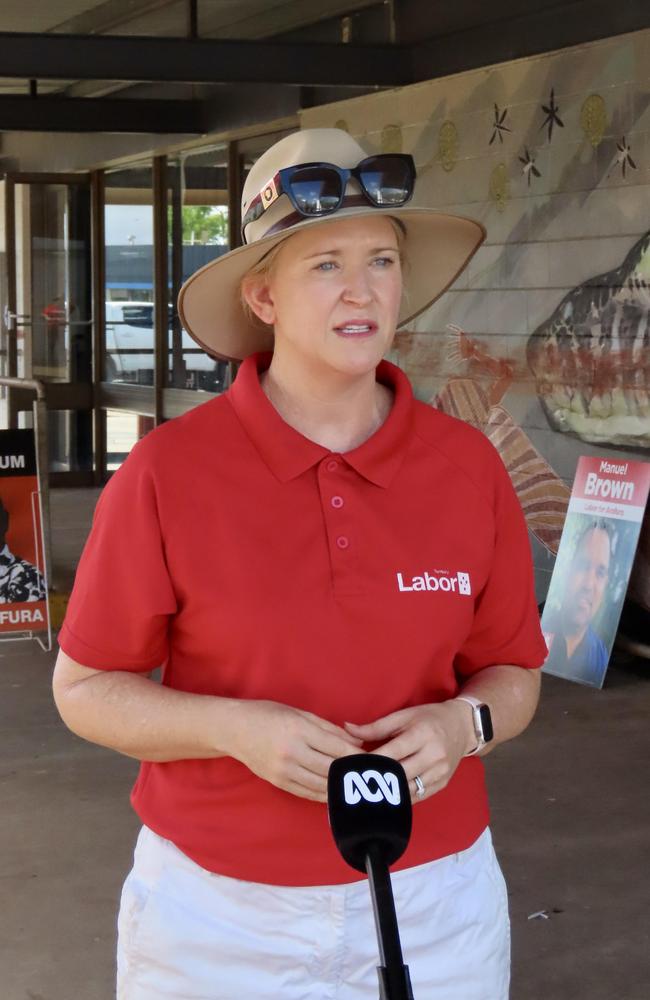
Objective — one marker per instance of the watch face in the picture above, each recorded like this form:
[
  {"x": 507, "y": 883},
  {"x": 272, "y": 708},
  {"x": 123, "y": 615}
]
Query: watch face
[{"x": 486, "y": 723}]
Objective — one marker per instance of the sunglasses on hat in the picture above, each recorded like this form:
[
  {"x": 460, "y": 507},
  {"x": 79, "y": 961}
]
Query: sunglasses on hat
[{"x": 317, "y": 189}]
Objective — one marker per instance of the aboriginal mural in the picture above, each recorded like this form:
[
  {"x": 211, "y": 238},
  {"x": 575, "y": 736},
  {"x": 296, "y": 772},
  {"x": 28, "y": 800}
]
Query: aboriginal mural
[
  {"x": 544, "y": 341},
  {"x": 591, "y": 357}
]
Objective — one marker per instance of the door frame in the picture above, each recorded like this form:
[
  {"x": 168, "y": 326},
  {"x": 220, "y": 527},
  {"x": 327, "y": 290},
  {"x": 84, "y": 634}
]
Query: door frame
[{"x": 75, "y": 396}]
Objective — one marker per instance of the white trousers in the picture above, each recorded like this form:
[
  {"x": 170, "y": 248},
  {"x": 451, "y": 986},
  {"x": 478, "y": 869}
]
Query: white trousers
[{"x": 187, "y": 934}]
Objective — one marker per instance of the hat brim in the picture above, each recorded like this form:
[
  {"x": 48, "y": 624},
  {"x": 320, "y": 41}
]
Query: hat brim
[{"x": 438, "y": 247}]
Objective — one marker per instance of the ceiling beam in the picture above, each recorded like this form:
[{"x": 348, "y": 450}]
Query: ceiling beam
[
  {"x": 78, "y": 114},
  {"x": 94, "y": 57}
]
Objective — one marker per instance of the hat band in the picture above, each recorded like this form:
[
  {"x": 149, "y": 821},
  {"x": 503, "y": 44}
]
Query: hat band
[{"x": 350, "y": 201}]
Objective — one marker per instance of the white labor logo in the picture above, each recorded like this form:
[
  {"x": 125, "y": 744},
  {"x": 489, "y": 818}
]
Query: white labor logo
[
  {"x": 356, "y": 787},
  {"x": 436, "y": 581}
]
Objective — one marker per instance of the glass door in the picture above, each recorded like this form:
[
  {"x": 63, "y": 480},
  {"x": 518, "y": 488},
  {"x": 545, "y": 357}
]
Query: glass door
[
  {"x": 197, "y": 233},
  {"x": 47, "y": 319}
]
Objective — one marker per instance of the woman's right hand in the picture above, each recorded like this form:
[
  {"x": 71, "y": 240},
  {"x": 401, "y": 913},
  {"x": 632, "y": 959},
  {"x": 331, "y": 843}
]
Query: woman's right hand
[
  {"x": 290, "y": 748},
  {"x": 128, "y": 712}
]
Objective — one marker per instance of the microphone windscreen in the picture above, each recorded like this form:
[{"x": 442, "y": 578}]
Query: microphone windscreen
[{"x": 369, "y": 803}]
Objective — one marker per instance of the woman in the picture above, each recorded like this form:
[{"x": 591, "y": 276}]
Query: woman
[{"x": 320, "y": 564}]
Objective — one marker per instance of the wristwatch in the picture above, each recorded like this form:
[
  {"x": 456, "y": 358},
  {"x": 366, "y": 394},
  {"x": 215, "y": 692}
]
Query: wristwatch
[{"x": 482, "y": 722}]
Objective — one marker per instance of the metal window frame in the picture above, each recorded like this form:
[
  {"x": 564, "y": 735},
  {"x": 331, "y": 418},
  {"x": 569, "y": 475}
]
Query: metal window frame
[
  {"x": 161, "y": 402},
  {"x": 10, "y": 266},
  {"x": 160, "y": 284},
  {"x": 74, "y": 396},
  {"x": 98, "y": 240},
  {"x": 138, "y": 399}
]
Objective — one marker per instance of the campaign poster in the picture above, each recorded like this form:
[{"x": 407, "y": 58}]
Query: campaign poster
[
  {"x": 23, "y": 587},
  {"x": 593, "y": 566}
]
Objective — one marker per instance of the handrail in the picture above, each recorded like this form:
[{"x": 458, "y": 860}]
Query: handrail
[{"x": 24, "y": 383}]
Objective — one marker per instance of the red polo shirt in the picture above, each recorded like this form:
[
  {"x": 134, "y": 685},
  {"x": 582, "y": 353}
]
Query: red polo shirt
[{"x": 255, "y": 563}]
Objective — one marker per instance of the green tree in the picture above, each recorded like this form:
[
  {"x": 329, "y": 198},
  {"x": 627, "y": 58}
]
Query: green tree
[{"x": 203, "y": 224}]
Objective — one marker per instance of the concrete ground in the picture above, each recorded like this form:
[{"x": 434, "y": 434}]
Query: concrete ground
[{"x": 571, "y": 821}]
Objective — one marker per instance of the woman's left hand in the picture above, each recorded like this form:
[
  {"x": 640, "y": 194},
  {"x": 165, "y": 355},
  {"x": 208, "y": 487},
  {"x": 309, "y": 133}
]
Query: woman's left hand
[{"x": 428, "y": 740}]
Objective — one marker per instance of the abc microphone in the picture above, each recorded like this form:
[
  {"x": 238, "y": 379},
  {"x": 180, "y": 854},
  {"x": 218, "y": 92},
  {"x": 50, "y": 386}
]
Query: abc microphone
[{"x": 369, "y": 807}]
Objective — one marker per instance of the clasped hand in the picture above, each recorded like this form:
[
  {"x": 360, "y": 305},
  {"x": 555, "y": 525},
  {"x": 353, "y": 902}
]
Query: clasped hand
[
  {"x": 289, "y": 747},
  {"x": 427, "y": 740},
  {"x": 293, "y": 749}
]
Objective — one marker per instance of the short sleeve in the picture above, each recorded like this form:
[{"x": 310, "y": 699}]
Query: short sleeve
[
  {"x": 118, "y": 614},
  {"x": 506, "y": 622}
]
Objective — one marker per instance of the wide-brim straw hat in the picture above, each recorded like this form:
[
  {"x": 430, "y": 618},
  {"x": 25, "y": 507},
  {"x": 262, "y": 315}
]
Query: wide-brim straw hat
[{"x": 437, "y": 247}]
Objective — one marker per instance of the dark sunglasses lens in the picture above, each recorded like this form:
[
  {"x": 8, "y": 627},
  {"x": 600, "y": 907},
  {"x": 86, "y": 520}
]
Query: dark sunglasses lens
[
  {"x": 316, "y": 190},
  {"x": 387, "y": 180}
]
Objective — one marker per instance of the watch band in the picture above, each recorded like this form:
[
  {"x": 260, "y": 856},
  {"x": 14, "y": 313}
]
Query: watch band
[{"x": 477, "y": 707}]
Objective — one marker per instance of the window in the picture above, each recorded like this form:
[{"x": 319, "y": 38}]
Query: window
[
  {"x": 197, "y": 234},
  {"x": 129, "y": 295}
]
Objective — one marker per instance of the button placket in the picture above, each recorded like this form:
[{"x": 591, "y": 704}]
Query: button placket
[
  {"x": 333, "y": 478},
  {"x": 337, "y": 502}
]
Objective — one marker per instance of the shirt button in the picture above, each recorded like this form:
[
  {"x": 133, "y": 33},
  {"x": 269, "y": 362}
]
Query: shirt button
[
  {"x": 343, "y": 542},
  {"x": 337, "y": 501},
  {"x": 332, "y": 465}
]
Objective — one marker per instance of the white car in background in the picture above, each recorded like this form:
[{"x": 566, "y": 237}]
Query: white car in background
[{"x": 129, "y": 349}]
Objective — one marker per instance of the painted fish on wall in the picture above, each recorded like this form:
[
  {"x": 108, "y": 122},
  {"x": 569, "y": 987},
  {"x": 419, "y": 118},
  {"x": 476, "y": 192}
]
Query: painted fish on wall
[{"x": 591, "y": 357}]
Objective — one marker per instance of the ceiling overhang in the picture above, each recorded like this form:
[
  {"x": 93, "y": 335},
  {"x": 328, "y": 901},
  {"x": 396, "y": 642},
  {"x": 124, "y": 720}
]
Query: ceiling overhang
[{"x": 181, "y": 85}]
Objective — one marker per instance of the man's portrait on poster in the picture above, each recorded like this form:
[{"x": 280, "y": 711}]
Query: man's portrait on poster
[
  {"x": 586, "y": 596},
  {"x": 575, "y": 647}
]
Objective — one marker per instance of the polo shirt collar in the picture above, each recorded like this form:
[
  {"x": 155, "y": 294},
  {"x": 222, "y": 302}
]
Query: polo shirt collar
[{"x": 288, "y": 453}]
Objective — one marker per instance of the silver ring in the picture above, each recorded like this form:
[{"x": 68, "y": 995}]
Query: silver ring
[{"x": 419, "y": 786}]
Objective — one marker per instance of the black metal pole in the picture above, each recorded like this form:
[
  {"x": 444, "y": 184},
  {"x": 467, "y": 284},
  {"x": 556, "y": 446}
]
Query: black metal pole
[
  {"x": 394, "y": 978},
  {"x": 192, "y": 19}
]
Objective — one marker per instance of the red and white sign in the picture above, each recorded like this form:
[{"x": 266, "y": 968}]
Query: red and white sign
[
  {"x": 24, "y": 608},
  {"x": 604, "y": 487},
  {"x": 592, "y": 570}
]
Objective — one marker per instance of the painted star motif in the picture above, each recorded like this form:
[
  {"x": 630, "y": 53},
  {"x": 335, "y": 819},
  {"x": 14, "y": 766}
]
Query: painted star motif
[
  {"x": 552, "y": 118},
  {"x": 529, "y": 169},
  {"x": 624, "y": 157},
  {"x": 499, "y": 125}
]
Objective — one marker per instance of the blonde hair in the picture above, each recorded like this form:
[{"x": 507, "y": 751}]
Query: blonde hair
[
  {"x": 265, "y": 266},
  {"x": 263, "y": 269}
]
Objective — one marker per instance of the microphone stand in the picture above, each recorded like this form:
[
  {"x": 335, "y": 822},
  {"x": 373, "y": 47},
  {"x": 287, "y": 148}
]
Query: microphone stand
[{"x": 394, "y": 977}]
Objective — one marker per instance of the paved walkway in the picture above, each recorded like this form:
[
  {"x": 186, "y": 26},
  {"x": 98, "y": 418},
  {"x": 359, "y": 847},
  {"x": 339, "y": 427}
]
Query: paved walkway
[
  {"x": 571, "y": 821},
  {"x": 71, "y": 514}
]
